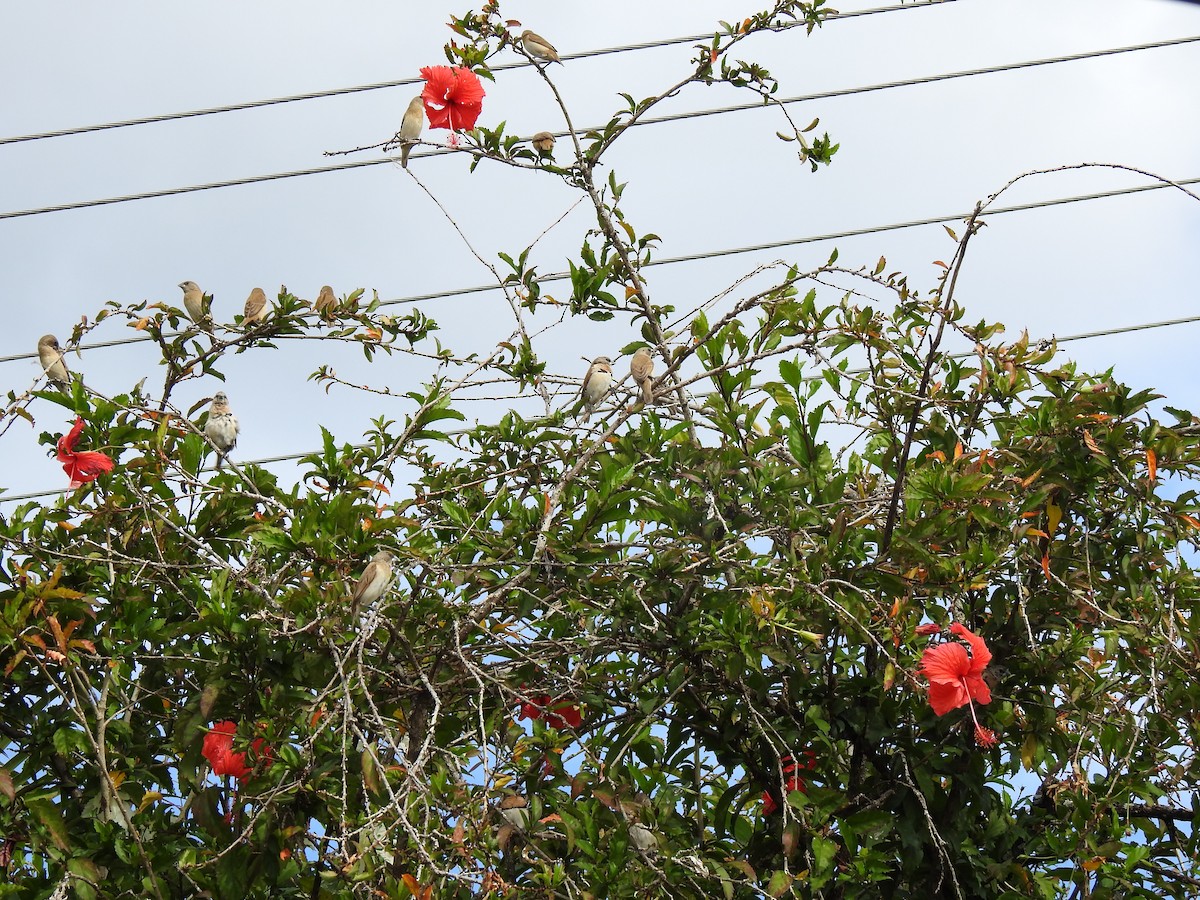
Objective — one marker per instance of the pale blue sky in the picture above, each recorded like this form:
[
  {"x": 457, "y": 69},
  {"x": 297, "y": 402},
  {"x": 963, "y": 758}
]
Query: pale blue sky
[{"x": 703, "y": 184}]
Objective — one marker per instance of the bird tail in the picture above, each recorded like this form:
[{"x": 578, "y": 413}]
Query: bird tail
[
  {"x": 648, "y": 390},
  {"x": 404, "y": 151}
]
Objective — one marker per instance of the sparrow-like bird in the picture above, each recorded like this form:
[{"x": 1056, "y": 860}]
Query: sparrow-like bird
[
  {"x": 222, "y": 426},
  {"x": 50, "y": 355},
  {"x": 543, "y": 143},
  {"x": 193, "y": 301},
  {"x": 642, "y": 837},
  {"x": 326, "y": 302},
  {"x": 410, "y": 127},
  {"x": 641, "y": 367},
  {"x": 514, "y": 809},
  {"x": 256, "y": 307},
  {"x": 538, "y": 47},
  {"x": 596, "y": 383},
  {"x": 374, "y": 581}
]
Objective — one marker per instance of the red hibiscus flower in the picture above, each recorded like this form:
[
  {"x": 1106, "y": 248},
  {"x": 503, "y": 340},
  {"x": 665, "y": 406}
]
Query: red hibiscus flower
[
  {"x": 956, "y": 675},
  {"x": 453, "y": 97},
  {"x": 84, "y": 466},
  {"x": 560, "y": 716},
  {"x": 218, "y": 750},
  {"x": 792, "y": 781}
]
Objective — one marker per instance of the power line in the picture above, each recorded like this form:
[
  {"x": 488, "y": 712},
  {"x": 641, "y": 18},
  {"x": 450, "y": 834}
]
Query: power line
[
  {"x": 361, "y": 88},
  {"x": 823, "y": 95},
  {"x": 291, "y": 457},
  {"x": 727, "y": 251}
]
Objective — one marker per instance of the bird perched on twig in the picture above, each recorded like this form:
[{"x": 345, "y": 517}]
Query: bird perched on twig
[
  {"x": 374, "y": 581},
  {"x": 410, "y": 127},
  {"x": 326, "y": 303},
  {"x": 194, "y": 302},
  {"x": 543, "y": 143},
  {"x": 641, "y": 367},
  {"x": 256, "y": 307},
  {"x": 222, "y": 426},
  {"x": 596, "y": 383},
  {"x": 50, "y": 355},
  {"x": 538, "y": 47}
]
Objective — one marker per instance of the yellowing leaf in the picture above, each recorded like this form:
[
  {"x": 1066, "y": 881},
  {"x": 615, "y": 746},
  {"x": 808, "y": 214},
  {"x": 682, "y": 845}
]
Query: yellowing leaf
[
  {"x": 1151, "y": 465},
  {"x": 1053, "y": 517},
  {"x": 148, "y": 798},
  {"x": 1091, "y": 443},
  {"x": 1091, "y": 865},
  {"x": 1031, "y": 479},
  {"x": 141, "y": 324}
]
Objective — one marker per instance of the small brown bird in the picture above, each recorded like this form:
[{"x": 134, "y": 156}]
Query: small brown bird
[
  {"x": 256, "y": 307},
  {"x": 193, "y": 302},
  {"x": 641, "y": 367},
  {"x": 410, "y": 127},
  {"x": 50, "y": 355},
  {"x": 596, "y": 383},
  {"x": 538, "y": 47},
  {"x": 514, "y": 809},
  {"x": 642, "y": 837},
  {"x": 374, "y": 581},
  {"x": 326, "y": 303},
  {"x": 543, "y": 143},
  {"x": 222, "y": 426}
]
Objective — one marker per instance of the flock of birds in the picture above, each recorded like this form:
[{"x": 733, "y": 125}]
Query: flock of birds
[{"x": 222, "y": 428}]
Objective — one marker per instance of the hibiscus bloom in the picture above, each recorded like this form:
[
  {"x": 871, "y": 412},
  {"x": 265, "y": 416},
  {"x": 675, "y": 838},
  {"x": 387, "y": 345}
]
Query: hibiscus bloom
[
  {"x": 792, "y": 781},
  {"x": 218, "y": 750},
  {"x": 85, "y": 465},
  {"x": 562, "y": 714},
  {"x": 453, "y": 97},
  {"x": 956, "y": 675}
]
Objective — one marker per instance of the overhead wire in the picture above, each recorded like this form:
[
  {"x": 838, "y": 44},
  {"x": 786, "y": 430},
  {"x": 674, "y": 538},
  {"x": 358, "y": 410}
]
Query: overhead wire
[
  {"x": 362, "y": 88},
  {"x": 650, "y": 120},
  {"x": 292, "y": 457},
  {"x": 727, "y": 251}
]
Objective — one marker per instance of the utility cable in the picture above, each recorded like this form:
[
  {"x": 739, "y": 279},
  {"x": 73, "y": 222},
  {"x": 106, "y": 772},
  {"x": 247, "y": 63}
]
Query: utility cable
[
  {"x": 716, "y": 254},
  {"x": 361, "y": 88},
  {"x": 291, "y": 457},
  {"x": 674, "y": 117}
]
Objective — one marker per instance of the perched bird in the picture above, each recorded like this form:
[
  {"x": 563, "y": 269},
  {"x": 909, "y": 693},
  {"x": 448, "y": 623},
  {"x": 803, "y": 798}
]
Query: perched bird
[
  {"x": 410, "y": 127},
  {"x": 543, "y": 143},
  {"x": 256, "y": 307},
  {"x": 193, "y": 301},
  {"x": 50, "y": 355},
  {"x": 326, "y": 302},
  {"x": 641, "y": 367},
  {"x": 538, "y": 47},
  {"x": 596, "y": 383},
  {"x": 642, "y": 837},
  {"x": 374, "y": 581},
  {"x": 222, "y": 426},
  {"x": 514, "y": 809}
]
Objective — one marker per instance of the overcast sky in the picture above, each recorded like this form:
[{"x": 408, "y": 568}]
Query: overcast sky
[{"x": 702, "y": 184}]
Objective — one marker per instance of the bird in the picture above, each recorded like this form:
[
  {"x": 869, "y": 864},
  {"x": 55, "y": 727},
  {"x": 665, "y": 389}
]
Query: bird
[
  {"x": 193, "y": 301},
  {"x": 596, "y": 383},
  {"x": 374, "y": 581},
  {"x": 256, "y": 307},
  {"x": 641, "y": 367},
  {"x": 50, "y": 355},
  {"x": 222, "y": 426},
  {"x": 514, "y": 809},
  {"x": 543, "y": 143},
  {"x": 642, "y": 837},
  {"x": 326, "y": 302},
  {"x": 538, "y": 47},
  {"x": 410, "y": 127}
]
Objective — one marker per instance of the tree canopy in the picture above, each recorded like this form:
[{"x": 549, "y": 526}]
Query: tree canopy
[{"x": 873, "y": 599}]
